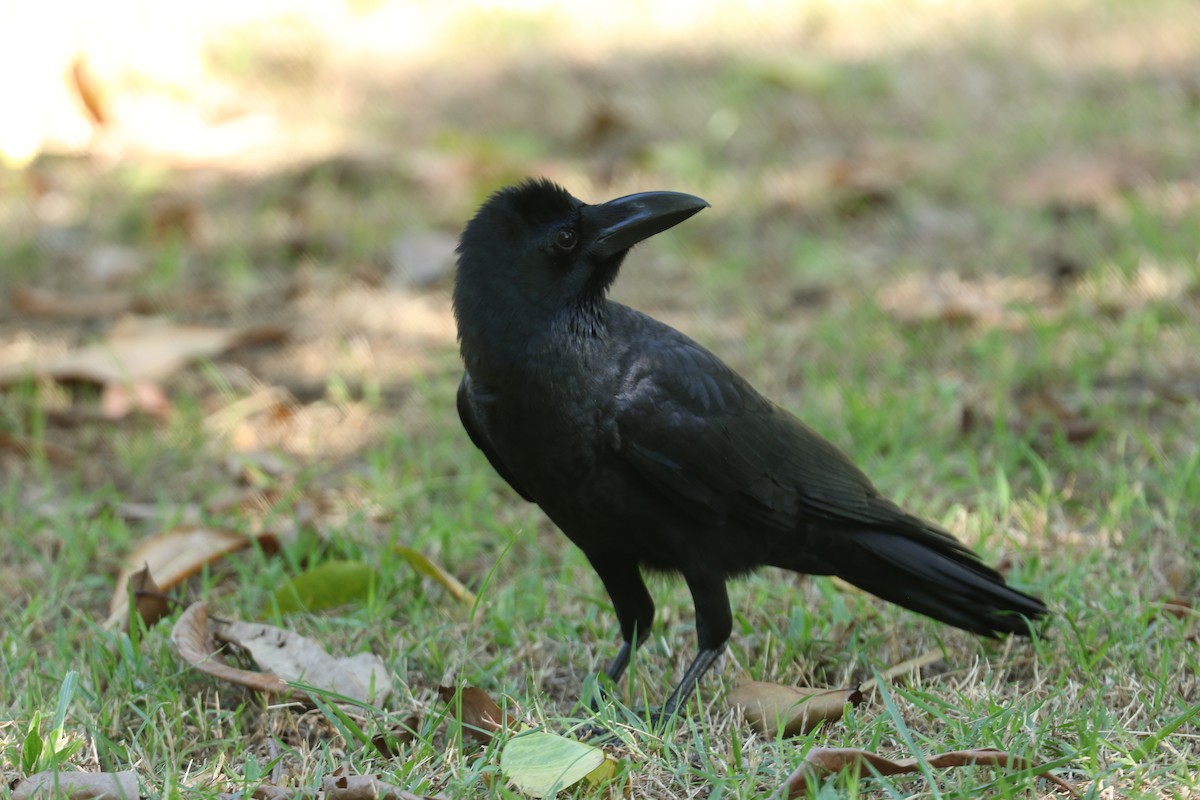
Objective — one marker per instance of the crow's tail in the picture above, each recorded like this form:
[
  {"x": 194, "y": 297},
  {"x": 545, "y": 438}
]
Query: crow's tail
[{"x": 947, "y": 583}]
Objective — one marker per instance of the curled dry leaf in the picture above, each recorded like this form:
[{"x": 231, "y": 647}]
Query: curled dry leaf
[
  {"x": 148, "y": 599},
  {"x": 194, "y": 642},
  {"x": 292, "y": 657},
  {"x": 477, "y": 712},
  {"x": 770, "y": 708},
  {"x": 173, "y": 556},
  {"x": 78, "y": 786},
  {"x": 423, "y": 564},
  {"x": 824, "y": 761}
]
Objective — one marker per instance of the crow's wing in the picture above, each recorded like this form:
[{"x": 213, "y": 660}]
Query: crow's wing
[
  {"x": 466, "y": 413},
  {"x": 723, "y": 453}
]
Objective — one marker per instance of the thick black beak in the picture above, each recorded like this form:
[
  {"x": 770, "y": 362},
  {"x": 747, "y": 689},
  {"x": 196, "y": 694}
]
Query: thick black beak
[{"x": 628, "y": 220}]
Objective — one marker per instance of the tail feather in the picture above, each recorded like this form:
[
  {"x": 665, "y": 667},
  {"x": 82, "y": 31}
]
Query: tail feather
[{"x": 950, "y": 585}]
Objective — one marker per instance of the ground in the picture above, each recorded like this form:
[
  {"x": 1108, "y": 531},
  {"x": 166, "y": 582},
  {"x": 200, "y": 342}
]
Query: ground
[{"x": 961, "y": 240}]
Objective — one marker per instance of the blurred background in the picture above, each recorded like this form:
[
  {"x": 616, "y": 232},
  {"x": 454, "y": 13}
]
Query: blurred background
[{"x": 234, "y": 222}]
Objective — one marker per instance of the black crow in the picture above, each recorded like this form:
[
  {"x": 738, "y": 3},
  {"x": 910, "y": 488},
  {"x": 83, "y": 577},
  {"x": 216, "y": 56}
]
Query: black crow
[{"x": 650, "y": 453}]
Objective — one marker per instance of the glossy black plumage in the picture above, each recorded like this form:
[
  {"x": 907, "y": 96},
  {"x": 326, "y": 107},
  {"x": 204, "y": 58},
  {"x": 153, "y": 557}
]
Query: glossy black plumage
[{"x": 649, "y": 452}]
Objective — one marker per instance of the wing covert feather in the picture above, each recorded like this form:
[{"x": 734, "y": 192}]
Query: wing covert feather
[{"x": 702, "y": 435}]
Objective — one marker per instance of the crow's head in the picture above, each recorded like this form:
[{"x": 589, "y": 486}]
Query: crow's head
[{"x": 534, "y": 250}]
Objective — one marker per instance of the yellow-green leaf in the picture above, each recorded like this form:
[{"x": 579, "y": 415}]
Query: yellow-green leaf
[
  {"x": 542, "y": 764},
  {"x": 328, "y": 585}
]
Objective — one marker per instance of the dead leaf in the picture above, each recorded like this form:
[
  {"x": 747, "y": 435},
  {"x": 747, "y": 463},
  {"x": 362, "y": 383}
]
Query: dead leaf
[
  {"x": 149, "y": 601},
  {"x": 140, "y": 356},
  {"x": 78, "y": 786},
  {"x": 477, "y": 712},
  {"x": 194, "y": 642},
  {"x": 824, "y": 761},
  {"x": 426, "y": 566},
  {"x": 292, "y": 657},
  {"x": 770, "y": 708},
  {"x": 175, "y": 555}
]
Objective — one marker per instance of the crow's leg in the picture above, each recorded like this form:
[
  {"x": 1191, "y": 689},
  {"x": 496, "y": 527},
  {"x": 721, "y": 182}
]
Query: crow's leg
[
  {"x": 632, "y": 602},
  {"x": 714, "y": 623}
]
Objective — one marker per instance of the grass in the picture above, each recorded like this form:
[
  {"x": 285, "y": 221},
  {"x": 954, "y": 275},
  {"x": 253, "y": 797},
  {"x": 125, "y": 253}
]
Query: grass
[{"x": 948, "y": 131}]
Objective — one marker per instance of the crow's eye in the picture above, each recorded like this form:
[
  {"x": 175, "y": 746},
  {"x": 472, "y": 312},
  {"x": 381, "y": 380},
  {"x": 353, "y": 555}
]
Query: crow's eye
[{"x": 566, "y": 239}]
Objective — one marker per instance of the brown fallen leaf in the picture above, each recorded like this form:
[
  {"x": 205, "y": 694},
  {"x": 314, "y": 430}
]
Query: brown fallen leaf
[
  {"x": 78, "y": 786},
  {"x": 175, "y": 555},
  {"x": 150, "y": 603},
  {"x": 478, "y": 713},
  {"x": 770, "y": 708},
  {"x": 140, "y": 355},
  {"x": 193, "y": 641},
  {"x": 824, "y": 761},
  {"x": 292, "y": 657}
]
